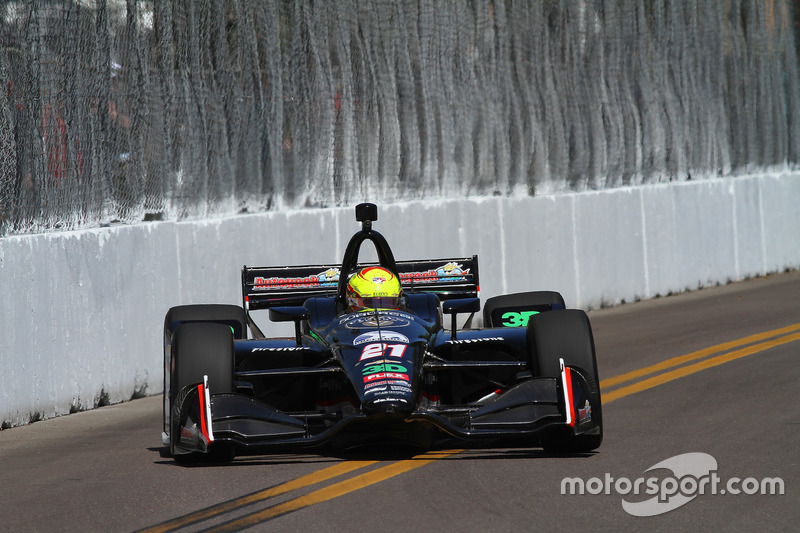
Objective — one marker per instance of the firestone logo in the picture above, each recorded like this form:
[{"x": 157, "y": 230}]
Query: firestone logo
[{"x": 693, "y": 474}]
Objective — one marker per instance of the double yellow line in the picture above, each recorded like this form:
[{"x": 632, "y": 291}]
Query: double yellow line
[
  {"x": 706, "y": 358},
  {"x": 324, "y": 494}
]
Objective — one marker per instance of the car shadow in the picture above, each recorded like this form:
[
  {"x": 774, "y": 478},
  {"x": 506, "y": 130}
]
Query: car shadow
[{"x": 383, "y": 453}]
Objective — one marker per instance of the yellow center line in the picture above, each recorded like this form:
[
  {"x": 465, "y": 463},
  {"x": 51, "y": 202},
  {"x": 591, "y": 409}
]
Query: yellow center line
[
  {"x": 225, "y": 507},
  {"x": 675, "y": 361},
  {"x": 334, "y": 491},
  {"x": 691, "y": 369}
]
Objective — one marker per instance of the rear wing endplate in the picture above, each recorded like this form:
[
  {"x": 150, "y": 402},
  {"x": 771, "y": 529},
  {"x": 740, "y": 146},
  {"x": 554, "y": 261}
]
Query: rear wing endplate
[{"x": 265, "y": 287}]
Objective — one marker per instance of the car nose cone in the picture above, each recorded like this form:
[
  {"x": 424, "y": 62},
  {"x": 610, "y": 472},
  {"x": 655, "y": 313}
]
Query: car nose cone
[{"x": 387, "y": 408}]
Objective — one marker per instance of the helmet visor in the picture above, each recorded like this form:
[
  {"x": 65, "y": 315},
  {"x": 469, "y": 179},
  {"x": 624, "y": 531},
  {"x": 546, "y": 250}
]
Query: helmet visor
[{"x": 376, "y": 302}]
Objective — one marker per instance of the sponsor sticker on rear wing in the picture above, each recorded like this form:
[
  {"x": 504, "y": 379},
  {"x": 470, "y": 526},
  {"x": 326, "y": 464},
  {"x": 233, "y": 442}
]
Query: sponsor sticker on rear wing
[
  {"x": 447, "y": 278},
  {"x": 265, "y": 287}
]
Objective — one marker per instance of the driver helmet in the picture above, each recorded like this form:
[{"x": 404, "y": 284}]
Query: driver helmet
[{"x": 373, "y": 288}]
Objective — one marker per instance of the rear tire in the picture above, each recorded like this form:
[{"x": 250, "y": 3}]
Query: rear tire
[
  {"x": 519, "y": 299},
  {"x": 566, "y": 334},
  {"x": 201, "y": 349}
]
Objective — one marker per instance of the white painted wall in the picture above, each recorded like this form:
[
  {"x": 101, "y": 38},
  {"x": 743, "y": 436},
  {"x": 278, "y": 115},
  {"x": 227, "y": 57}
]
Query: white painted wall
[{"x": 82, "y": 316}]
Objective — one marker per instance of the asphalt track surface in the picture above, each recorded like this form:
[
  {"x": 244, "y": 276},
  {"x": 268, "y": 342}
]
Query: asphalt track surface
[{"x": 715, "y": 372}]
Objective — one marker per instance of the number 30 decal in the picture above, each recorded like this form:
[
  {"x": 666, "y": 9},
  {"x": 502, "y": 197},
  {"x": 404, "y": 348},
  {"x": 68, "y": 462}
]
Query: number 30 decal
[{"x": 381, "y": 349}]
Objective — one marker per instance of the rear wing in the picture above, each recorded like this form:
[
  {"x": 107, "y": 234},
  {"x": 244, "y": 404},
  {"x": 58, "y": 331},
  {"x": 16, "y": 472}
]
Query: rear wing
[{"x": 265, "y": 287}]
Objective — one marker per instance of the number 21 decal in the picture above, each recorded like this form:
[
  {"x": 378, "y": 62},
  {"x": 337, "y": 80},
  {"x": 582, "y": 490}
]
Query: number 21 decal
[{"x": 382, "y": 349}]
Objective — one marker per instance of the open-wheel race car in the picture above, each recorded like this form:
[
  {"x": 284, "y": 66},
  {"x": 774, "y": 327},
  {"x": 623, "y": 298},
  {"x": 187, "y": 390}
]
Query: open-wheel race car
[{"x": 377, "y": 356}]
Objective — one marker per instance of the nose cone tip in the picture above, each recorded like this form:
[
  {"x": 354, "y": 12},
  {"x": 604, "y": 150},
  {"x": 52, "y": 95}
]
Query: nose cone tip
[{"x": 393, "y": 408}]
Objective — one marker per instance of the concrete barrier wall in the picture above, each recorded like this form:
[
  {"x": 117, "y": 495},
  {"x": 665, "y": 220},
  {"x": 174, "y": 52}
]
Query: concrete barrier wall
[{"x": 82, "y": 315}]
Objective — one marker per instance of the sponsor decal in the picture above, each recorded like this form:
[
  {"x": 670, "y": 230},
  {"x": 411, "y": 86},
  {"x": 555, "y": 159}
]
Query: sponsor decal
[
  {"x": 382, "y": 313},
  {"x": 384, "y": 385},
  {"x": 476, "y": 341},
  {"x": 513, "y": 319},
  {"x": 382, "y": 349},
  {"x": 383, "y": 367},
  {"x": 385, "y": 375},
  {"x": 380, "y": 322},
  {"x": 279, "y": 349},
  {"x": 375, "y": 336},
  {"x": 393, "y": 399},
  {"x": 382, "y": 319},
  {"x": 324, "y": 279},
  {"x": 585, "y": 413},
  {"x": 448, "y": 272},
  {"x": 391, "y": 394}
]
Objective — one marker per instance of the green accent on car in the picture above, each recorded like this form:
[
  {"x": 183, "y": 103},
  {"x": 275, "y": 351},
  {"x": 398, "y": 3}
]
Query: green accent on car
[
  {"x": 514, "y": 319},
  {"x": 387, "y": 367}
]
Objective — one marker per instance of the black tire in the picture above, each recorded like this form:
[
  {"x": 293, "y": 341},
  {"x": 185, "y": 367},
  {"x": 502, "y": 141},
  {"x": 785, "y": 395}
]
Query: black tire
[
  {"x": 201, "y": 349},
  {"x": 566, "y": 334},
  {"x": 231, "y": 315},
  {"x": 519, "y": 299}
]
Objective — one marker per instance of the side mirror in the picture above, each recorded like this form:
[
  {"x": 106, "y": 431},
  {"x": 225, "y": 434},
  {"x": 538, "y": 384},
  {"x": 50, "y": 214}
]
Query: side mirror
[
  {"x": 461, "y": 305},
  {"x": 289, "y": 314}
]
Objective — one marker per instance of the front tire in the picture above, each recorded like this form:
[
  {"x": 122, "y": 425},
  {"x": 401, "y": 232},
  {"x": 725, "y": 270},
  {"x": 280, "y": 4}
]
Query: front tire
[
  {"x": 566, "y": 334},
  {"x": 200, "y": 349},
  {"x": 521, "y": 300},
  {"x": 231, "y": 315}
]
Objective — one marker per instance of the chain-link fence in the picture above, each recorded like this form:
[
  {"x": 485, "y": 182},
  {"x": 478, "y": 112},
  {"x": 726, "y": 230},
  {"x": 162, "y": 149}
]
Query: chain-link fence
[{"x": 127, "y": 110}]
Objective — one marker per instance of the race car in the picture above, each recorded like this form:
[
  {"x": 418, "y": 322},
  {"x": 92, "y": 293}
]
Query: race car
[{"x": 364, "y": 371}]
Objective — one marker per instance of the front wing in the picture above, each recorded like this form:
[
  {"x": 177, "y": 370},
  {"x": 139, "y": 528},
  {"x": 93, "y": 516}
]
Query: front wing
[{"x": 201, "y": 418}]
